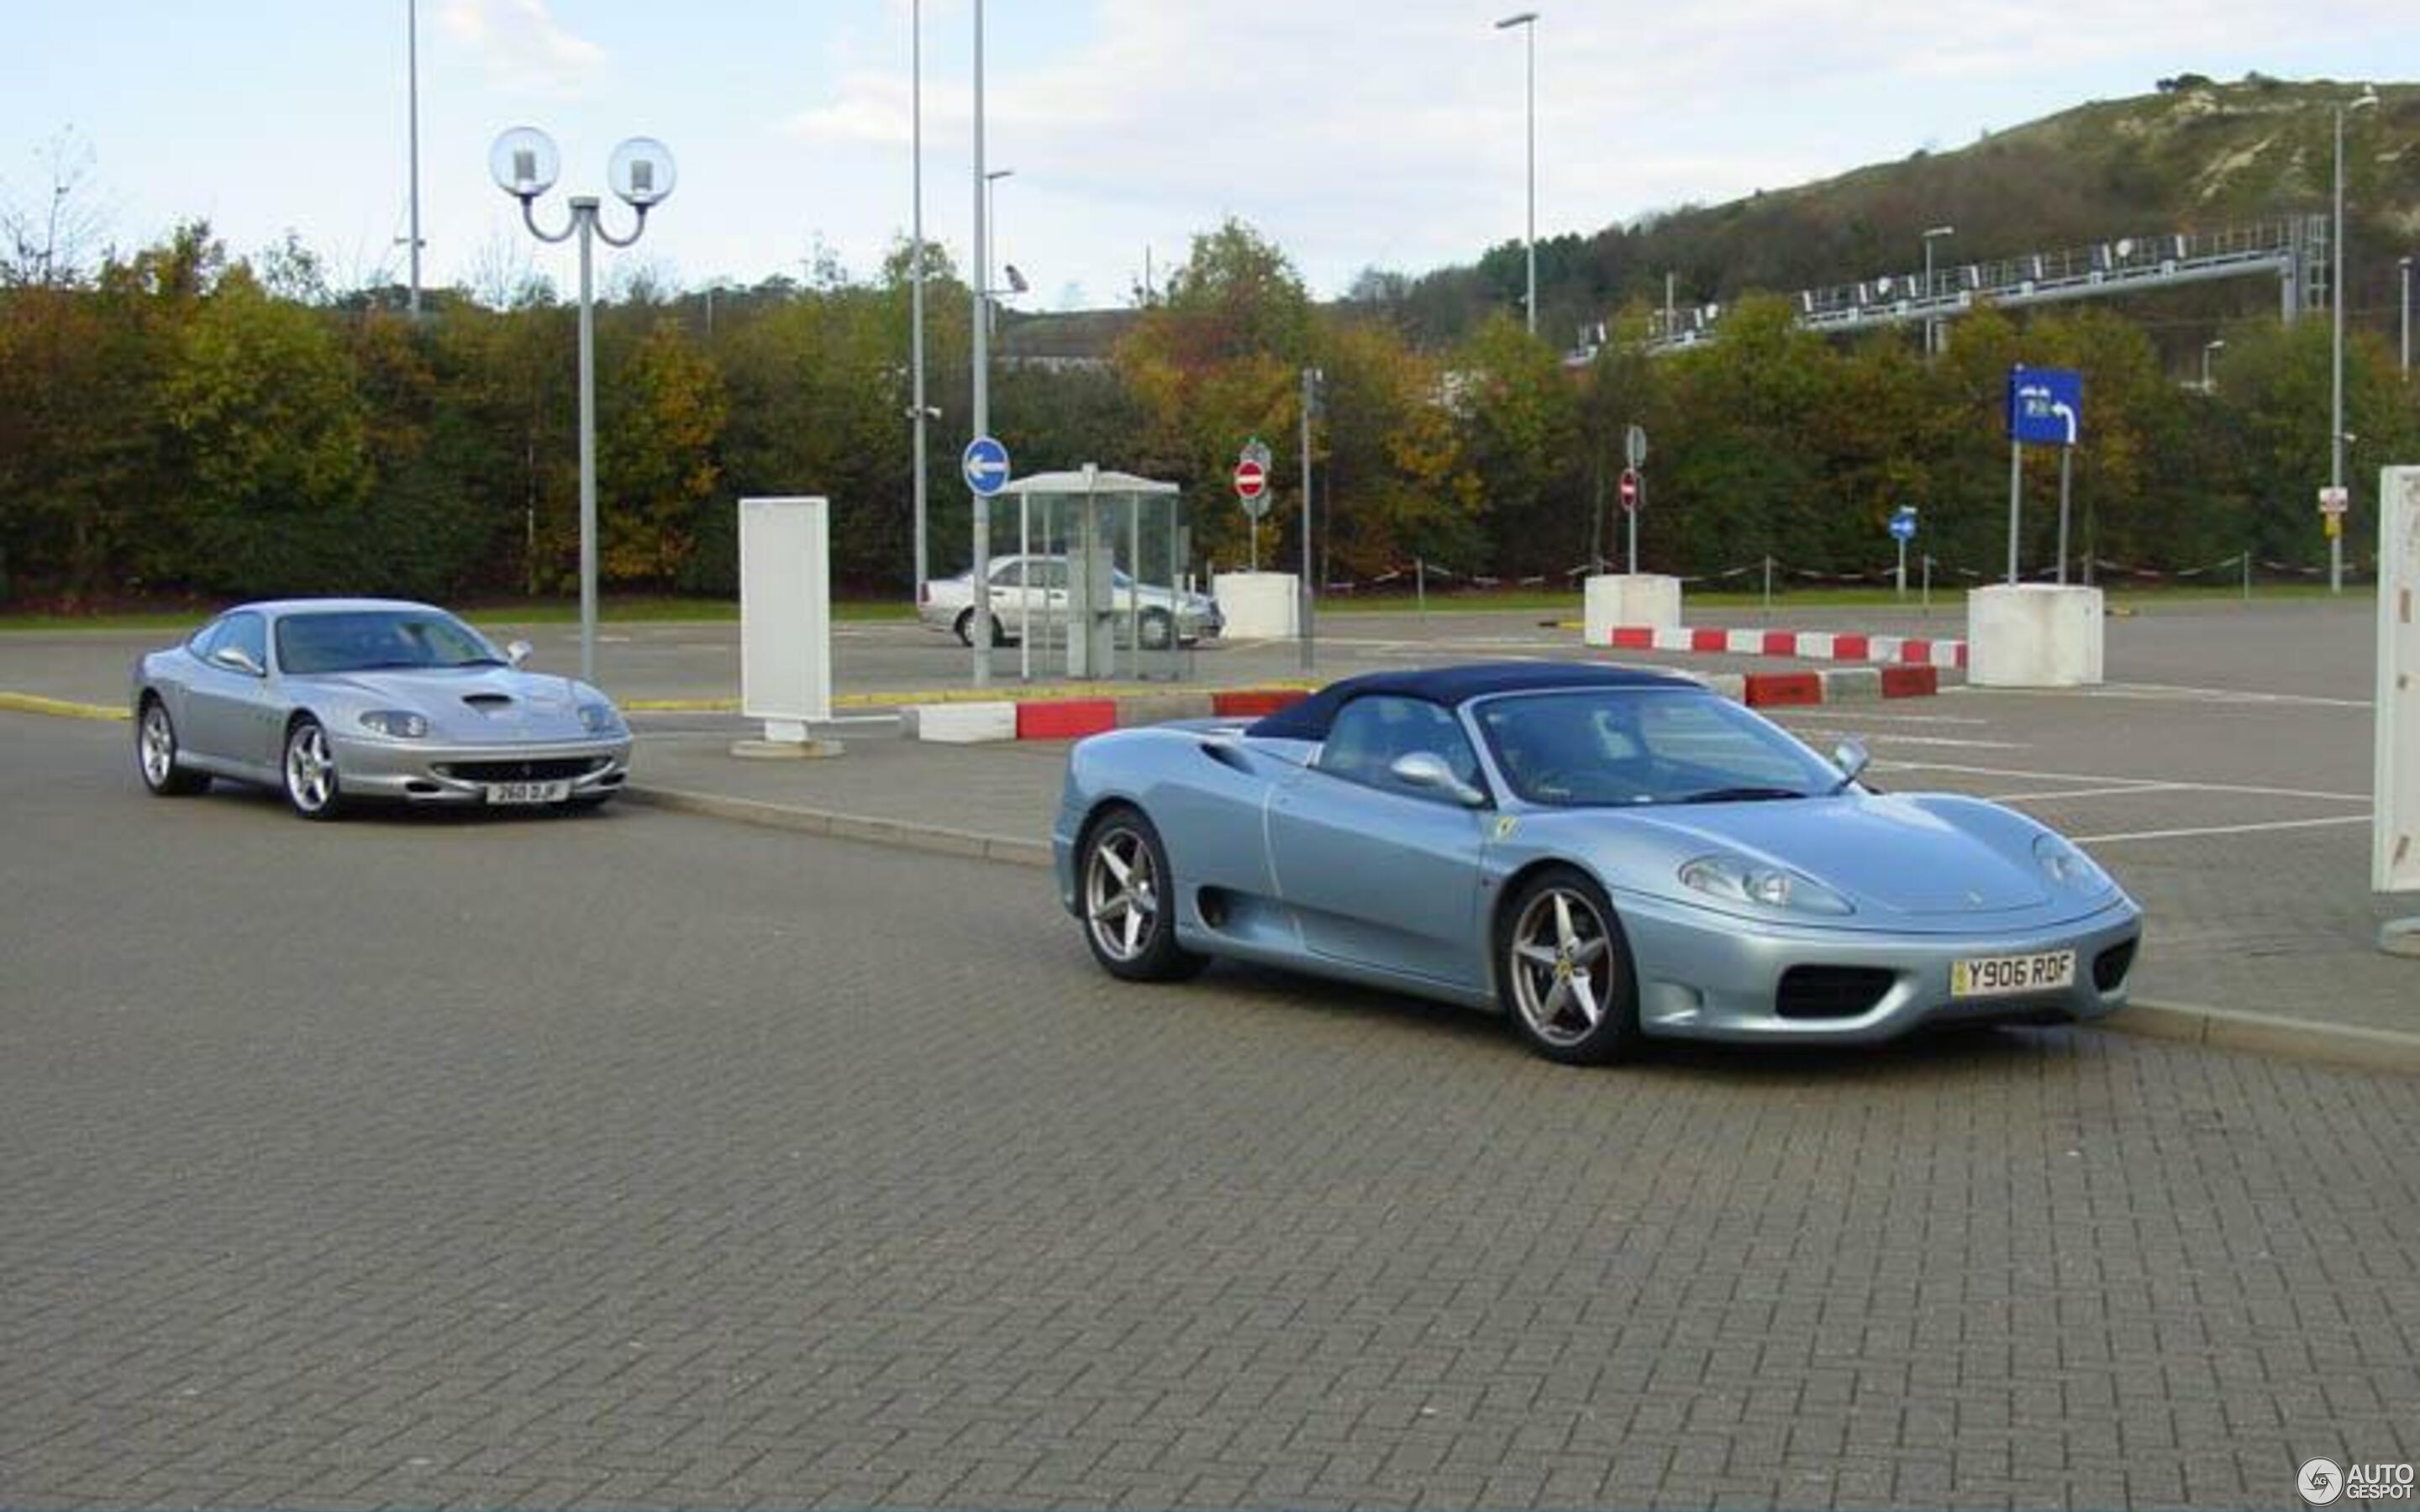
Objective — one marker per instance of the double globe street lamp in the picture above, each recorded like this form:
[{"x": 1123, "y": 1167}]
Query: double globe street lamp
[{"x": 525, "y": 163}]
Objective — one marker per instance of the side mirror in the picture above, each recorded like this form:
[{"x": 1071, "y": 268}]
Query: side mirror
[
  {"x": 1852, "y": 758},
  {"x": 518, "y": 652},
  {"x": 234, "y": 658},
  {"x": 1427, "y": 771}
]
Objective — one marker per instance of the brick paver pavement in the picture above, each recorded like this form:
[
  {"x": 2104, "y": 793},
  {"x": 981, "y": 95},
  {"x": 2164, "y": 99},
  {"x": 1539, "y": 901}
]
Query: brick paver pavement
[{"x": 654, "y": 1160}]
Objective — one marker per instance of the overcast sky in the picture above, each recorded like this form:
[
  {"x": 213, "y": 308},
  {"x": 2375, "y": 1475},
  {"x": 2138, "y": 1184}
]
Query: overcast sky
[{"x": 1352, "y": 133}]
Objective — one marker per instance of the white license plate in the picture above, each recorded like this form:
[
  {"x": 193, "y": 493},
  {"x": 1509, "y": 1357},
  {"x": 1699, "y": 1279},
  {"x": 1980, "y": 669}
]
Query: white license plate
[
  {"x": 528, "y": 791},
  {"x": 2008, "y": 975}
]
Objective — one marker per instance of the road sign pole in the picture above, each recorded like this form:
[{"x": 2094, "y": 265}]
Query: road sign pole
[
  {"x": 1256, "y": 543},
  {"x": 2016, "y": 456},
  {"x": 2065, "y": 454},
  {"x": 1640, "y": 508},
  {"x": 1928, "y": 580},
  {"x": 1902, "y": 568},
  {"x": 1309, "y": 395}
]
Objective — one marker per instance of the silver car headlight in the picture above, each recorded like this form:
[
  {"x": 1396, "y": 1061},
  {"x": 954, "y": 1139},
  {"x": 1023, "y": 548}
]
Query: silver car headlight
[
  {"x": 395, "y": 724},
  {"x": 2069, "y": 867},
  {"x": 600, "y": 720},
  {"x": 1738, "y": 880}
]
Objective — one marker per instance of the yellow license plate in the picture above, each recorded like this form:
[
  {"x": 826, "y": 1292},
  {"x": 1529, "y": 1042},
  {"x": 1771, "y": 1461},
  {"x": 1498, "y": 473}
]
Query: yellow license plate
[{"x": 2012, "y": 976}]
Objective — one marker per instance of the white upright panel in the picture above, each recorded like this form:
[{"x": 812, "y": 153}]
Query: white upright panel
[
  {"x": 786, "y": 610},
  {"x": 2395, "y": 832}
]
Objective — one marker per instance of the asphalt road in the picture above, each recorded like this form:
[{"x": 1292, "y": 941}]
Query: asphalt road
[{"x": 650, "y": 1161}]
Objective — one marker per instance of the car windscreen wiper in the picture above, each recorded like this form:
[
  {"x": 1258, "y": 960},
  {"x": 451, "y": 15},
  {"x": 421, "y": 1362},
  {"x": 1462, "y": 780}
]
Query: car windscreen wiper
[{"x": 1743, "y": 794}]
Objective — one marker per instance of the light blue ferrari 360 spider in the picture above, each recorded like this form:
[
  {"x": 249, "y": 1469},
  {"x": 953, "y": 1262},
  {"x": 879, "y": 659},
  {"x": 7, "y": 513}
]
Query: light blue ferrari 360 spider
[{"x": 1601, "y": 853}]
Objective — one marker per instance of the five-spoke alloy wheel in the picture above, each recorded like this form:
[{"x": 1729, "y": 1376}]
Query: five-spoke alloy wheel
[
  {"x": 1564, "y": 971},
  {"x": 155, "y": 752},
  {"x": 311, "y": 783},
  {"x": 1129, "y": 902}
]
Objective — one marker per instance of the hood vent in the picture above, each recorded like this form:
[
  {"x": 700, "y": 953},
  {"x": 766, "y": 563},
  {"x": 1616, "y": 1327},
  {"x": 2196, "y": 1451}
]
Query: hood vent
[{"x": 489, "y": 703}]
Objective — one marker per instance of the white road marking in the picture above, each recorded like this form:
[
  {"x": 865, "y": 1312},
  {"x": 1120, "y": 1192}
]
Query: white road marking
[
  {"x": 2220, "y": 829},
  {"x": 2104, "y": 778},
  {"x": 2088, "y": 793},
  {"x": 1894, "y": 737},
  {"x": 2170, "y": 693}
]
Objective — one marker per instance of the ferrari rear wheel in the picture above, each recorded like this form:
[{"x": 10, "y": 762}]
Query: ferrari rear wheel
[
  {"x": 312, "y": 788},
  {"x": 1564, "y": 971},
  {"x": 1129, "y": 900},
  {"x": 155, "y": 752}
]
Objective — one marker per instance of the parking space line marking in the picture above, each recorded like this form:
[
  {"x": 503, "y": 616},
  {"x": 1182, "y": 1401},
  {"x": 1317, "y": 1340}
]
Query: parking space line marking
[
  {"x": 2244, "y": 789},
  {"x": 2165, "y": 692},
  {"x": 2088, "y": 793},
  {"x": 2221, "y": 829}
]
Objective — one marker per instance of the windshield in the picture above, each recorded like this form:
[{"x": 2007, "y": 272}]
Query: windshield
[
  {"x": 355, "y": 640},
  {"x": 1594, "y": 747}
]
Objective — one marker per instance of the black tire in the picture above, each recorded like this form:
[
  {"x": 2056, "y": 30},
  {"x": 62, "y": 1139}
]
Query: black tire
[
  {"x": 308, "y": 771},
  {"x": 965, "y": 628},
  {"x": 1120, "y": 837},
  {"x": 1528, "y": 986},
  {"x": 1158, "y": 630},
  {"x": 155, "y": 754}
]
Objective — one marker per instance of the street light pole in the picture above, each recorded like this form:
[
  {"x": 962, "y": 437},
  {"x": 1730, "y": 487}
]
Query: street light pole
[
  {"x": 1312, "y": 378},
  {"x": 411, "y": 54},
  {"x": 2208, "y": 348},
  {"x": 2403, "y": 268},
  {"x": 916, "y": 276},
  {"x": 979, "y": 628},
  {"x": 1932, "y": 325},
  {"x": 991, "y": 239},
  {"x": 525, "y": 163},
  {"x": 2335, "y": 381},
  {"x": 1528, "y": 22}
]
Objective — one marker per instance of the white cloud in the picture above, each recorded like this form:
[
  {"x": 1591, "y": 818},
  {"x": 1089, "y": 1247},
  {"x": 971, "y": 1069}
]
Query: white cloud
[{"x": 524, "y": 49}]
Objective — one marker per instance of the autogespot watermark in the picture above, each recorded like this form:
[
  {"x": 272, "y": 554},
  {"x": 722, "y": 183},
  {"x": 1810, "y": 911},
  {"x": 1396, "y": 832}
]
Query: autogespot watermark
[{"x": 2323, "y": 1482}]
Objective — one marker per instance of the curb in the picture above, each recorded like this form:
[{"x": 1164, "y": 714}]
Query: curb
[
  {"x": 898, "y": 833},
  {"x": 969, "y": 722},
  {"x": 58, "y": 708},
  {"x": 2265, "y": 1034},
  {"x": 1807, "y": 646}
]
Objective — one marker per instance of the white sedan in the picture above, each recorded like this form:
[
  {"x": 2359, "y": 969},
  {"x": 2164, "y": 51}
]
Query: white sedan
[{"x": 1034, "y": 589}]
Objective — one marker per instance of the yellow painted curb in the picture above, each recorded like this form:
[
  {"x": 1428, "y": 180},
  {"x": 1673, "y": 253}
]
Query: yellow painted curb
[
  {"x": 681, "y": 705},
  {"x": 57, "y": 708}
]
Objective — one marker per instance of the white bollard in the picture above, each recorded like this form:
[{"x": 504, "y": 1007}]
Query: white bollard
[
  {"x": 2034, "y": 635},
  {"x": 1628, "y": 598}
]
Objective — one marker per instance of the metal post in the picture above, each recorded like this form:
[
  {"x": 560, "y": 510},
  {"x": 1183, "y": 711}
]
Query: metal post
[
  {"x": 2065, "y": 454},
  {"x": 981, "y": 417},
  {"x": 1928, "y": 296},
  {"x": 2403, "y": 266},
  {"x": 1927, "y": 582},
  {"x": 1670, "y": 314},
  {"x": 2016, "y": 456},
  {"x": 1311, "y": 378},
  {"x": 1902, "y": 570},
  {"x": 1768, "y": 584},
  {"x": 584, "y": 216},
  {"x": 1639, "y": 506},
  {"x": 1420, "y": 583},
  {"x": 411, "y": 50},
  {"x": 916, "y": 277},
  {"x": 2248, "y": 574},
  {"x": 1024, "y": 591},
  {"x": 2335, "y": 389},
  {"x": 1531, "y": 30}
]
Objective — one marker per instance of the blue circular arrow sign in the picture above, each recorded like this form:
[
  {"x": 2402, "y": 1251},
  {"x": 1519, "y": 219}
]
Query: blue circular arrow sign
[
  {"x": 1903, "y": 524},
  {"x": 985, "y": 465}
]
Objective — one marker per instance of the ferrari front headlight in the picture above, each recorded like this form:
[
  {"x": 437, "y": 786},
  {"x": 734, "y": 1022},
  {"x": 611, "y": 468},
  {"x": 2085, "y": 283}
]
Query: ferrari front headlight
[
  {"x": 1739, "y": 880},
  {"x": 395, "y": 724},
  {"x": 2069, "y": 867},
  {"x": 600, "y": 719}
]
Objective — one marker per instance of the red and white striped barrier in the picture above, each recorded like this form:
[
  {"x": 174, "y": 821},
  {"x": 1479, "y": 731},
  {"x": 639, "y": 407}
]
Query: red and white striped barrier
[{"x": 1807, "y": 646}]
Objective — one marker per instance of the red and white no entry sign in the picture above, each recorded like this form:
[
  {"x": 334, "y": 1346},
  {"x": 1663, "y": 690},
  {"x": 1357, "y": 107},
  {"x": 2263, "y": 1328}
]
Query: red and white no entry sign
[
  {"x": 1629, "y": 489},
  {"x": 1251, "y": 479}
]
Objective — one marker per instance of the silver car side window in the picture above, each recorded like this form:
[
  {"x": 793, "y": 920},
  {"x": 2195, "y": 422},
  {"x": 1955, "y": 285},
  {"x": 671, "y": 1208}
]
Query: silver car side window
[
  {"x": 249, "y": 634},
  {"x": 1369, "y": 735}
]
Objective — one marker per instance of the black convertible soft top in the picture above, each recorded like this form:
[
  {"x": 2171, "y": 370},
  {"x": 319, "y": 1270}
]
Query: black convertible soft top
[{"x": 1453, "y": 687}]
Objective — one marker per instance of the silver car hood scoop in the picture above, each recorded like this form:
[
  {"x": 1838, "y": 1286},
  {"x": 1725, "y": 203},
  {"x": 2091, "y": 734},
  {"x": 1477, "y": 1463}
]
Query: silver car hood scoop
[{"x": 489, "y": 703}]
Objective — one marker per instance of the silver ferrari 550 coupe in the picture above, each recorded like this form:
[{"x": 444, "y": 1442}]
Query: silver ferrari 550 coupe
[
  {"x": 1599, "y": 853},
  {"x": 336, "y": 699}
]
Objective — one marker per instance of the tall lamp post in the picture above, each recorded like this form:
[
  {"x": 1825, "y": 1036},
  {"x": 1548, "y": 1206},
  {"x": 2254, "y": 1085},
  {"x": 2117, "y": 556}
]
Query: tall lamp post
[
  {"x": 1932, "y": 323},
  {"x": 918, "y": 410},
  {"x": 979, "y": 629},
  {"x": 991, "y": 239},
  {"x": 1528, "y": 22},
  {"x": 2403, "y": 283},
  {"x": 2208, "y": 348},
  {"x": 2336, "y": 384},
  {"x": 525, "y": 164},
  {"x": 412, "y": 66}
]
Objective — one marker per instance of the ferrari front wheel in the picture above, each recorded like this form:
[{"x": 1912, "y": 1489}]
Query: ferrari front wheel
[
  {"x": 1564, "y": 972},
  {"x": 1129, "y": 900}
]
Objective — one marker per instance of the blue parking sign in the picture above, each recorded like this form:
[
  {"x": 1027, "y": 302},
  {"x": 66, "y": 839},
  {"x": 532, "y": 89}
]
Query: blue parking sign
[
  {"x": 1902, "y": 523},
  {"x": 2045, "y": 406}
]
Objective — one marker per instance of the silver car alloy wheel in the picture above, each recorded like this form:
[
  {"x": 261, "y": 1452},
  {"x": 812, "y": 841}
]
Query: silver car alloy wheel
[
  {"x": 1121, "y": 893},
  {"x": 158, "y": 746},
  {"x": 310, "y": 771},
  {"x": 1561, "y": 966}
]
